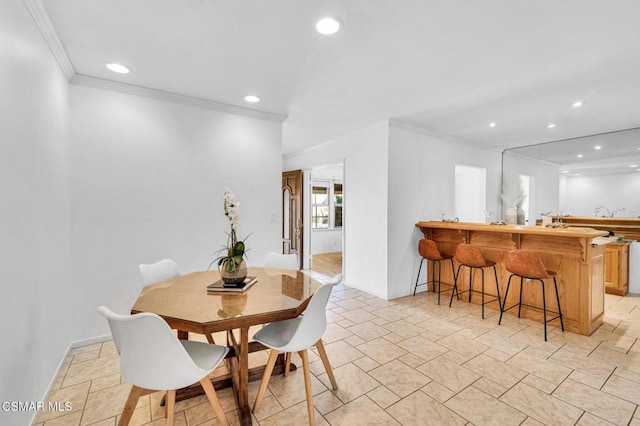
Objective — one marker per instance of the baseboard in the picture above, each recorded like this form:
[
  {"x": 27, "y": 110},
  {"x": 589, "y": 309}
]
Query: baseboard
[
  {"x": 89, "y": 341},
  {"x": 365, "y": 290},
  {"x": 72, "y": 345}
]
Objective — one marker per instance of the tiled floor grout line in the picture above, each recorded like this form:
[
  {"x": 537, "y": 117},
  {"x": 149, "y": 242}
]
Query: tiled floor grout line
[{"x": 451, "y": 329}]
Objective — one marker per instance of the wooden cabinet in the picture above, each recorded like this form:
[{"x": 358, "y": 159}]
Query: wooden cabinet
[
  {"x": 616, "y": 275},
  {"x": 569, "y": 251},
  {"x": 621, "y": 226},
  {"x": 616, "y": 272}
]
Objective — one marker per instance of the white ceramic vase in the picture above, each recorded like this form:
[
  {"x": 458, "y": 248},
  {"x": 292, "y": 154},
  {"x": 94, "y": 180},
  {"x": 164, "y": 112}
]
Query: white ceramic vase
[
  {"x": 511, "y": 216},
  {"x": 520, "y": 214}
]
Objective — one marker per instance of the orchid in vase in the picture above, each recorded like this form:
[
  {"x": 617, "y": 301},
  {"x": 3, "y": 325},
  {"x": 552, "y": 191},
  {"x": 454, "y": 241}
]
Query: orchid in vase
[{"x": 230, "y": 258}]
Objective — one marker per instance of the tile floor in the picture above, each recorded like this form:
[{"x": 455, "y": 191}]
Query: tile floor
[{"x": 408, "y": 361}]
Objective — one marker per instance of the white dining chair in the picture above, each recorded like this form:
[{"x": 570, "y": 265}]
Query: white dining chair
[
  {"x": 162, "y": 270},
  {"x": 287, "y": 262},
  {"x": 297, "y": 335},
  {"x": 155, "y": 272},
  {"x": 275, "y": 260},
  {"x": 152, "y": 359}
]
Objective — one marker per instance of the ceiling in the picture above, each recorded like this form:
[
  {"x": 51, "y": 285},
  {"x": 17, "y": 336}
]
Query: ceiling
[
  {"x": 449, "y": 67},
  {"x": 608, "y": 153}
]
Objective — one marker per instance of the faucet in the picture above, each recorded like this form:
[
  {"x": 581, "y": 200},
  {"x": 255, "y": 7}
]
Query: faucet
[
  {"x": 610, "y": 213},
  {"x": 621, "y": 209}
]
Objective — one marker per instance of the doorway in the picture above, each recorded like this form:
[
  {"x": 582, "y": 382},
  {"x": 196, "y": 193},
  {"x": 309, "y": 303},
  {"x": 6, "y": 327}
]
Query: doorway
[
  {"x": 326, "y": 212},
  {"x": 470, "y": 193}
]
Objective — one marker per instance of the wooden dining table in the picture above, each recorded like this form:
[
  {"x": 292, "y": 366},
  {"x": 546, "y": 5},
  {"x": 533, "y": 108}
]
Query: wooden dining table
[{"x": 185, "y": 304}]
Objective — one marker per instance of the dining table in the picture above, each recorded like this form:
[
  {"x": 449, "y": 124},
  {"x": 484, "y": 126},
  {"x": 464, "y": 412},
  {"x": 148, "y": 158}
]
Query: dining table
[{"x": 188, "y": 307}]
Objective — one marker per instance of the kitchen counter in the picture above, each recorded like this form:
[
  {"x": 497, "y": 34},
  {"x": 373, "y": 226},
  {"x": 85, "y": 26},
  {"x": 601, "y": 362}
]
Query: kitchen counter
[{"x": 570, "y": 252}]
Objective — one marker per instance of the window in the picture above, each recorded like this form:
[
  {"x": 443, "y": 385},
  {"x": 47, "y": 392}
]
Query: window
[
  {"x": 337, "y": 205},
  {"x": 326, "y": 205},
  {"x": 319, "y": 207}
]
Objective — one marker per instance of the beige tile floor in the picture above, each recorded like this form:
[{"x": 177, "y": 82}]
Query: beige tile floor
[{"x": 408, "y": 361}]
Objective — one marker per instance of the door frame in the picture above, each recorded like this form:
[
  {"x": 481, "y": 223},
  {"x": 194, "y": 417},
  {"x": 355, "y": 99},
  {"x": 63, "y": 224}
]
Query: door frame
[
  {"x": 307, "y": 217},
  {"x": 293, "y": 180}
]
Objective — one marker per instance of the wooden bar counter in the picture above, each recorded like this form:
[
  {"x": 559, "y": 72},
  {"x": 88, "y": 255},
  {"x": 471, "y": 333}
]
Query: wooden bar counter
[
  {"x": 621, "y": 226},
  {"x": 568, "y": 251},
  {"x": 626, "y": 230}
]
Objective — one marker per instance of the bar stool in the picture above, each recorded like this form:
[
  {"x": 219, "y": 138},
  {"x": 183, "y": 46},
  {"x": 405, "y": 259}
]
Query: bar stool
[
  {"x": 471, "y": 257},
  {"x": 429, "y": 251},
  {"x": 526, "y": 264}
]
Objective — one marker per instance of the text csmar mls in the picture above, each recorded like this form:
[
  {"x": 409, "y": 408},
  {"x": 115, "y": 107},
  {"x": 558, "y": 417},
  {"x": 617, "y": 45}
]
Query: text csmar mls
[{"x": 36, "y": 406}]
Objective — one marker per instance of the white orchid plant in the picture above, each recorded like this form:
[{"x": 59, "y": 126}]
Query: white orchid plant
[
  {"x": 513, "y": 191},
  {"x": 230, "y": 256}
]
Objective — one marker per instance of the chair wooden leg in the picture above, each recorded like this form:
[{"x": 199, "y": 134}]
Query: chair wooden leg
[
  {"x": 130, "y": 405},
  {"x": 327, "y": 365},
  {"x": 213, "y": 399},
  {"x": 210, "y": 338},
  {"x": 170, "y": 407},
  {"x": 287, "y": 364},
  {"x": 268, "y": 369},
  {"x": 307, "y": 385}
]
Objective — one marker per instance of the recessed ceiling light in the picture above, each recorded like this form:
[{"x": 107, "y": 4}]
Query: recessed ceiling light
[
  {"x": 252, "y": 98},
  {"x": 576, "y": 174},
  {"x": 577, "y": 104},
  {"x": 597, "y": 147},
  {"x": 120, "y": 69},
  {"x": 328, "y": 26},
  {"x": 492, "y": 124},
  {"x": 566, "y": 171},
  {"x": 551, "y": 126},
  {"x": 633, "y": 165},
  {"x": 579, "y": 156}
]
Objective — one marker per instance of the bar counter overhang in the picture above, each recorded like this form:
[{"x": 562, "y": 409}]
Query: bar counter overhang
[{"x": 570, "y": 252}]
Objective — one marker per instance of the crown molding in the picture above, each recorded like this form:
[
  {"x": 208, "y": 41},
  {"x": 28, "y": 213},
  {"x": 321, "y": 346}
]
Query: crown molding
[
  {"x": 517, "y": 154},
  {"x": 304, "y": 151},
  {"x": 398, "y": 124},
  {"x": 131, "y": 89},
  {"x": 41, "y": 18},
  {"x": 39, "y": 14}
]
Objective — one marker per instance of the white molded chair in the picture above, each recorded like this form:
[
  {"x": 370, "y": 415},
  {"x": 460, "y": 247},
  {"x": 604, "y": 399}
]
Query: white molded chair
[
  {"x": 296, "y": 335},
  {"x": 281, "y": 261},
  {"x": 153, "y": 359},
  {"x": 159, "y": 271},
  {"x": 152, "y": 273}
]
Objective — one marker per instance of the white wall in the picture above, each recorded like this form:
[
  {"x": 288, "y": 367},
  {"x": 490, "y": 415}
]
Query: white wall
[
  {"x": 326, "y": 240},
  {"x": 395, "y": 176},
  {"x": 364, "y": 155},
  {"x": 36, "y": 292},
  {"x": 579, "y": 195},
  {"x": 92, "y": 183},
  {"x": 544, "y": 180},
  {"x": 421, "y": 184},
  {"x": 147, "y": 183}
]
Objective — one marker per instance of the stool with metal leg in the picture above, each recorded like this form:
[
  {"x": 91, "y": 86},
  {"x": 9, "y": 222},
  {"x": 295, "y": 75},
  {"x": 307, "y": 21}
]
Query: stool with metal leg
[
  {"x": 526, "y": 264},
  {"x": 429, "y": 252},
  {"x": 470, "y": 256}
]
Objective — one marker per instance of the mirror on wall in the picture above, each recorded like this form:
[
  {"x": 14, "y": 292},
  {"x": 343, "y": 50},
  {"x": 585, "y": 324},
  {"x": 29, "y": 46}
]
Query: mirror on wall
[{"x": 596, "y": 175}]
